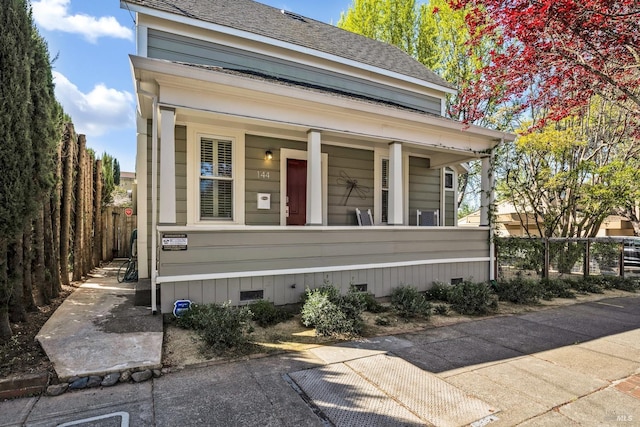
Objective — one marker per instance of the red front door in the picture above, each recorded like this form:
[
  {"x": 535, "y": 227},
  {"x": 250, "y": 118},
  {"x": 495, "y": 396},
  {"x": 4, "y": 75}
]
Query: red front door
[{"x": 297, "y": 192}]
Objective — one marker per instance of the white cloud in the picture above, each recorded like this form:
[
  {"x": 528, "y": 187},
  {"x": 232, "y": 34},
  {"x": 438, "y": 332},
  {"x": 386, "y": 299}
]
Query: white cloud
[
  {"x": 54, "y": 15},
  {"x": 97, "y": 112}
]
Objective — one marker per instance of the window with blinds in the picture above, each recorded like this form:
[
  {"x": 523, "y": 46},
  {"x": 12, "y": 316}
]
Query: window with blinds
[
  {"x": 385, "y": 190},
  {"x": 216, "y": 179}
]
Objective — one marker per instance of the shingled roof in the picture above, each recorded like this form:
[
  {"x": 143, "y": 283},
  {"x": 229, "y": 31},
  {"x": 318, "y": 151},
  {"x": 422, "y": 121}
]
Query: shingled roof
[{"x": 263, "y": 20}]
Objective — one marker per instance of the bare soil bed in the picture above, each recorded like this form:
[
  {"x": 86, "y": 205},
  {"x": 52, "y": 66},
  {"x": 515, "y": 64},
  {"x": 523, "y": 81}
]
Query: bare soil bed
[
  {"x": 183, "y": 347},
  {"x": 23, "y": 354}
]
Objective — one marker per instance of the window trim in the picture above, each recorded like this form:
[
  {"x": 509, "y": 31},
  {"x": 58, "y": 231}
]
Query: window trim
[
  {"x": 382, "y": 189},
  {"x": 379, "y": 154},
  {"x": 446, "y": 170},
  {"x": 453, "y": 180},
  {"x": 215, "y": 178},
  {"x": 194, "y": 136}
]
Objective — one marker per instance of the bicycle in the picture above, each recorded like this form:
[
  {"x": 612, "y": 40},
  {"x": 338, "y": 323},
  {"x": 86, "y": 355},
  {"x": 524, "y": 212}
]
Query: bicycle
[{"x": 128, "y": 271}]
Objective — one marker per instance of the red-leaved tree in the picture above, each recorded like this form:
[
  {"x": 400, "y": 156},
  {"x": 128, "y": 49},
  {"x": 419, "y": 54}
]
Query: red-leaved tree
[{"x": 559, "y": 53}]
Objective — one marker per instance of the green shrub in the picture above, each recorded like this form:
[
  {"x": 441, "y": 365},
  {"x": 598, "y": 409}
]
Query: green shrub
[
  {"x": 408, "y": 302},
  {"x": 382, "y": 321},
  {"x": 326, "y": 289},
  {"x": 441, "y": 309},
  {"x": 599, "y": 281},
  {"x": 519, "y": 291},
  {"x": 438, "y": 292},
  {"x": 590, "y": 284},
  {"x": 331, "y": 313},
  {"x": 266, "y": 314},
  {"x": 221, "y": 326},
  {"x": 371, "y": 303},
  {"x": 623, "y": 283},
  {"x": 556, "y": 288},
  {"x": 472, "y": 298}
]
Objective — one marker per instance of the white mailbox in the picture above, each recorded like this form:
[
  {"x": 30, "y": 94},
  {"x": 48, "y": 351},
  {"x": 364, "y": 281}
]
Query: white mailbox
[{"x": 264, "y": 201}]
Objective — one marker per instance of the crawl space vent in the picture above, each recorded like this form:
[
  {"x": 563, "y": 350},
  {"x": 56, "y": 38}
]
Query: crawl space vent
[{"x": 251, "y": 295}]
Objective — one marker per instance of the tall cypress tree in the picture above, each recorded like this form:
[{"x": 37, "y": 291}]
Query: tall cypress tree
[
  {"x": 108, "y": 179},
  {"x": 46, "y": 132},
  {"x": 15, "y": 149},
  {"x": 116, "y": 172}
]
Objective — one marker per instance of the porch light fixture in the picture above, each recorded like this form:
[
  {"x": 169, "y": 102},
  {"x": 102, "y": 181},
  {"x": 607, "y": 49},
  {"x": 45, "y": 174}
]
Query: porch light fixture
[{"x": 268, "y": 155}]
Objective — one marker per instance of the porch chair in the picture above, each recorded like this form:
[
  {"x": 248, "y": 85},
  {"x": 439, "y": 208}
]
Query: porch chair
[
  {"x": 428, "y": 218},
  {"x": 364, "y": 218}
]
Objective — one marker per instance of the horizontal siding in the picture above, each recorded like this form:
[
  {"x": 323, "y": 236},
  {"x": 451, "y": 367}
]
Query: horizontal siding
[
  {"x": 288, "y": 289},
  {"x": 424, "y": 187},
  {"x": 246, "y": 250},
  {"x": 450, "y": 202},
  {"x": 348, "y": 164},
  {"x": 174, "y": 47},
  {"x": 263, "y": 176}
]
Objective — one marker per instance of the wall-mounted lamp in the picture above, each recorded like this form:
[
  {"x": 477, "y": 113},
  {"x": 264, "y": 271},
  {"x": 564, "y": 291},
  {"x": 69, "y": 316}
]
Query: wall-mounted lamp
[{"x": 268, "y": 155}]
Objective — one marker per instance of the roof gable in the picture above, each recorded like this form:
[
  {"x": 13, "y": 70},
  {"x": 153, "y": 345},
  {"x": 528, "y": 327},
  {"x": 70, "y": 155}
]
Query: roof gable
[{"x": 266, "y": 21}]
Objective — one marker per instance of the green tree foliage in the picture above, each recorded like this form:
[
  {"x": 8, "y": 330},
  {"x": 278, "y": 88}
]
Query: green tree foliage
[
  {"x": 15, "y": 85},
  {"x": 569, "y": 176},
  {"x": 389, "y": 21},
  {"x": 29, "y": 128},
  {"x": 15, "y": 156},
  {"x": 45, "y": 117},
  {"x": 108, "y": 179},
  {"x": 116, "y": 172}
]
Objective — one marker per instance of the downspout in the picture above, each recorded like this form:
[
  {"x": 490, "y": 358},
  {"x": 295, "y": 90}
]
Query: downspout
[
  {"x": 154, "y": 194},
  {"x": 492, "y": 222}
]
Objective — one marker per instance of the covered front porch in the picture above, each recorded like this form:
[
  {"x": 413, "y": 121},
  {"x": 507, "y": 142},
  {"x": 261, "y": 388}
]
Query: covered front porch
[{"x": 256, "y": 186}]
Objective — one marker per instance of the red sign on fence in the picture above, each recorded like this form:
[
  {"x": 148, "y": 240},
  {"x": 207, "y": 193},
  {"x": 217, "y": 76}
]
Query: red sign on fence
[{"x": 128, "y": 211}]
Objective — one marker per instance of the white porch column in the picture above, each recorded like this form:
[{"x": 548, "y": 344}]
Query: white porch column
[
  {"x": 487, "y": 194},
  {"x": 314, "y": 178},
  {"x": 167, "y": 166},
  {"x": 396, "y": 199},
  {"x": 141, "y": 196}
]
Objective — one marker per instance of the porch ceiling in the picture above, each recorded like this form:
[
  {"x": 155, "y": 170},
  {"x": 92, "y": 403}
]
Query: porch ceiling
[{"x": 439, "y": 157}]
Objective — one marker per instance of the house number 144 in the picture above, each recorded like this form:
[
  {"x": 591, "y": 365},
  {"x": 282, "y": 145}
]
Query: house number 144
[{"x": 263, "y": 175}]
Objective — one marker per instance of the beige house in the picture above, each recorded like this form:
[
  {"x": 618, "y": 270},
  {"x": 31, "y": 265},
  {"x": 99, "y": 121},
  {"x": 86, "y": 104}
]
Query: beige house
[
  {"x": 127, "y": 180},
  {"x": 509, "y": 222},
  {"x": 260, "y": 132}
]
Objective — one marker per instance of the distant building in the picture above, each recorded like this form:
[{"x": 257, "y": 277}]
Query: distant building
[
  {"x": 127, "y": 180},
  {"x": 509, "y": 223}
]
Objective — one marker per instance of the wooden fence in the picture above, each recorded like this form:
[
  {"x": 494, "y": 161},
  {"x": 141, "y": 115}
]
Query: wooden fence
[{"x": 117, "y": 228}]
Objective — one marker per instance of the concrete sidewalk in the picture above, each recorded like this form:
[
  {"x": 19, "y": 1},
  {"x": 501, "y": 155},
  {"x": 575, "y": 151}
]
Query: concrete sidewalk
[{"x": 98, "y": 330}]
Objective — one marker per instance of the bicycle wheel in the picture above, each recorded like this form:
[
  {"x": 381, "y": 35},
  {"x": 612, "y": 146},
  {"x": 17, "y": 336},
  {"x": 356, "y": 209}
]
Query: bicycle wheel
[
  {"x": 132, "y": 272},
  {"x": 122, "y": 271}
]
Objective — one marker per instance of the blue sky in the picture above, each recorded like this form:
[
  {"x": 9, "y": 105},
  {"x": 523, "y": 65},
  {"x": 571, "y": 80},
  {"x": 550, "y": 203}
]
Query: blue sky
[{"x": 90, "y": 41}]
